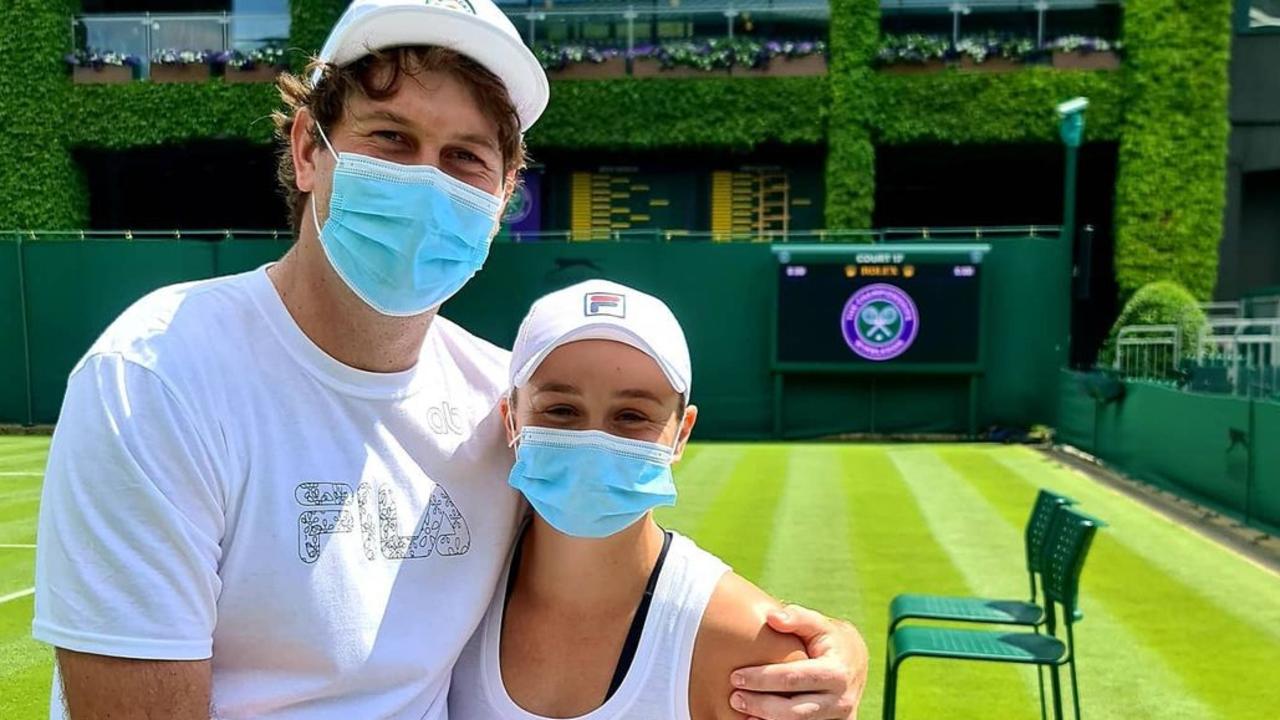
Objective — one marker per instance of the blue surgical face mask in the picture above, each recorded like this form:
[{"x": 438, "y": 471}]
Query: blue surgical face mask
[
  {"x": 591, "y": 484},
  {"x": 404, "y": 238}
]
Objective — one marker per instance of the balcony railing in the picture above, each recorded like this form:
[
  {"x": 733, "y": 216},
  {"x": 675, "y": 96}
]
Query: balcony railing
[
  {"x": 1042, "y": 20},
  {"x": 146, "y": 34},
  {"x": 625, "y": 26}
]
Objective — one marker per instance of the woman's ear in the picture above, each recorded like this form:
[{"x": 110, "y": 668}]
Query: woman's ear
[
  {"x": 508, "y": 418},
  {"x": 686, "y": 429}
]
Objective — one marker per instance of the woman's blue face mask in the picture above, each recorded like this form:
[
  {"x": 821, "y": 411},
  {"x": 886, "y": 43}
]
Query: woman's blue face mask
[
  {"x": 404, "y": 238},
  {"x": 588, "y": 483}
]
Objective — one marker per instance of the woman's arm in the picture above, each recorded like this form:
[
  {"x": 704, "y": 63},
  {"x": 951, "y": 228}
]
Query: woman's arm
[{"x": 734, "y": 633}]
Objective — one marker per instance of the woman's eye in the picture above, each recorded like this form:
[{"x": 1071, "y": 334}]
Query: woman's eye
[
  {"x": 632, "y": 417},
  {"x": 560, "y": 411},
  {"x": 390, "y": 135}
]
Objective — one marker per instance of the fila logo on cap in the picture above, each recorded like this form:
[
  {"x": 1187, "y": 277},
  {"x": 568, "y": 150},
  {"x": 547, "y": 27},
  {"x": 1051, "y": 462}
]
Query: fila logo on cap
[
  {"x": 460, "y": 5},
  {"x": 605, "y": 304}
]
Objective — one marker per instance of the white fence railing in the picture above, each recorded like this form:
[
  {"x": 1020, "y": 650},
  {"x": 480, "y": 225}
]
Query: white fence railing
[{"x": 1240, "y": 355}]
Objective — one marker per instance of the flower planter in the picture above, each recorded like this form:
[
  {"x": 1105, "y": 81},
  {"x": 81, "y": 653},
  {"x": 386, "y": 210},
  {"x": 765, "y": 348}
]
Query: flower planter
[
  {"x": 105, "y": 75},
  {"x": 783, "y": 66},
  {"x": 1098, "y": 60},
  {"x": 650, "y": 67},
  {"x": 612, "y": 67},
  {"x": 913, "y": 68},
  {"x": 194, "y": 72},
  {"x": 990, "y": 65},
  {"x": 259, "y": 74}
]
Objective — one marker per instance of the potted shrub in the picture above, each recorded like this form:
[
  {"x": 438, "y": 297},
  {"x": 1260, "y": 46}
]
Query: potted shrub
[
  {"x": 1162, "y": 302},
  {"x": 169, "y": 66},
  {"x": 258, "y": 65},
  {"x": 682, "y": 59},
  {"x": 93, "y": 67},
  {"x": 780, "y": 59},
  {"x": 581, "y": 62},
  {"x": 913, "y": 54},
  {"x": 993, "y": 55},
  {"x": 1076, "y": 52}
]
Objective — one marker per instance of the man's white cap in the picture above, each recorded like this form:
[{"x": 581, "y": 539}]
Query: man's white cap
[
  {"x": 602, "y": 310},
  {"x": 475, "y": 28}
]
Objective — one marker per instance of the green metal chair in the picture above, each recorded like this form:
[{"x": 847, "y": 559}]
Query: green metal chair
[
  {"x": 989, "y": 610},
  {"x": 1069, "y": 537},
  {"x": 993, "y": 611}
]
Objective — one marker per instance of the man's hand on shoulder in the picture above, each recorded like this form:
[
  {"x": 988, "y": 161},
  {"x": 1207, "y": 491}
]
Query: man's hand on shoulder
[
  {"x": 826, "y": 686},
  {"x": 734, "y": 633}
]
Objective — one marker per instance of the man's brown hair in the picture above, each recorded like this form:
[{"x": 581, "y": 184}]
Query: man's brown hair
[{"x": 377, "y": 76}]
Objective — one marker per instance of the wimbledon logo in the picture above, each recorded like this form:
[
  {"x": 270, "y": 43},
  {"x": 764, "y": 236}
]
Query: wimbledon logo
[{"x": 879, "y": 322}]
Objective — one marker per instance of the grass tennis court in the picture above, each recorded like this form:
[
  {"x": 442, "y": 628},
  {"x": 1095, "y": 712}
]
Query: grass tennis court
[{"x": 1175, "y": 626}]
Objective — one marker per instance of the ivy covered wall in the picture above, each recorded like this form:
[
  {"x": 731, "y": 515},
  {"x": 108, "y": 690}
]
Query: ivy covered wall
[{"x": 1167, "y": 108}]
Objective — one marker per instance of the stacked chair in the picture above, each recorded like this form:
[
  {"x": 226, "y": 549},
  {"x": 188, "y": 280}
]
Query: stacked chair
[{"x": 1057, "y": 539}]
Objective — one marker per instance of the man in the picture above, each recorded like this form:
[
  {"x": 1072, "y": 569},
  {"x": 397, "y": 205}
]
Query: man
[{"x": 282, "y": 494}]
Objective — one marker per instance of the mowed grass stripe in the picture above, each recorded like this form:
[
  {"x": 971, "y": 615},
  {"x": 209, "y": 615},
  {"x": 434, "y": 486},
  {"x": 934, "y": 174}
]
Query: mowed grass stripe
[
  {"x": 738, "y": 525},
  {"x": 1117, "y": 659},
  {"x": 699, "y": 475},
  {"x": 26, "y": 666},
  {"x": 19, "y": 502},
  {"x": 893, "y": 552},
  {"x": 1235, "y": 584},
  {"x": 987, "y": 555},
  {"x": 809, "y": 560},
  {"x": 1229, "y": 663},
  {"x": 1235, "y": 587}
]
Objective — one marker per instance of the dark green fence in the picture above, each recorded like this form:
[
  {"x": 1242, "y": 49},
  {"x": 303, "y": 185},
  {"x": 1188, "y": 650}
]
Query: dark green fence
[
  {"x": 1220, "y": 450},
  {"x": 57, "y": 295}
]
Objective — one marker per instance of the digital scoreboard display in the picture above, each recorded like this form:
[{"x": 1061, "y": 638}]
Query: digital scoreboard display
[{"x": 875, "y": 306}]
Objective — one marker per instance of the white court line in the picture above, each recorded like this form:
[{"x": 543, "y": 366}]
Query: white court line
[
  {"x": 17, "y": 596},
  {"x": 21, "y": 474},
  {"x": 13, "y": 546}
]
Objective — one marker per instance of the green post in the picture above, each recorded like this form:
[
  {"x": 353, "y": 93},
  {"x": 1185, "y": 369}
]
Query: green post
[{"x": 1071, "y": 129}]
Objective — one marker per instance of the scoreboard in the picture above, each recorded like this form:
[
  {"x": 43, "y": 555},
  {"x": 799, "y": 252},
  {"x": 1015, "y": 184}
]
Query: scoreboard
[{"x": 879, "y": 307}]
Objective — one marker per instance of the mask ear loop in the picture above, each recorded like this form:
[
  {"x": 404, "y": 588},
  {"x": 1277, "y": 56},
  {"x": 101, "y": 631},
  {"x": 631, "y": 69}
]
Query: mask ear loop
[
  {"x": 315, "y": 218},
  {"x": 327, "y": 144}
]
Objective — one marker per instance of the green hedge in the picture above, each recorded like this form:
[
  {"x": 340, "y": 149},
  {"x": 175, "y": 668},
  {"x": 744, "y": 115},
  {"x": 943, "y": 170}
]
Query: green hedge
[
  {"x": 40, "y": 185},
  {"x": 143, "y": 114},
  {"x": 309, "y": 23},
  {"x": 1170, "y": 193},
  {"x": 968, "y": 107},
  {"x": 1167, "y": 108},
  {"x": 707, "y": 112}
]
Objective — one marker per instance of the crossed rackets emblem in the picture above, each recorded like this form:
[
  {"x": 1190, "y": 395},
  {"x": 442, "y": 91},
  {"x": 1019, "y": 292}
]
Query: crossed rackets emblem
[{"x": 880, "y": 322}]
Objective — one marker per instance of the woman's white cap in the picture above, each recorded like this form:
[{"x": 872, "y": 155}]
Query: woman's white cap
[
  {"x": 474, "y": 28},
  {"x": 602, "y": 310}
]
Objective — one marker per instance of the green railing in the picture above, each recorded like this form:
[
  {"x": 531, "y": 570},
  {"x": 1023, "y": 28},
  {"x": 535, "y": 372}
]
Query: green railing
[{"x": 882, "y": 235}]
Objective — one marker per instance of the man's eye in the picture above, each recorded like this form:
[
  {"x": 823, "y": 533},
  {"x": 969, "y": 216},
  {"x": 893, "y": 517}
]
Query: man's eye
[
  {"x": 390, "y": 135},
  {"x": 467, "y": 156}
]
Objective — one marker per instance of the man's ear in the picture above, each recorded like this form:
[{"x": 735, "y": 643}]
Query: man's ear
[
  {"x": 509, "y": 185},
  {"x": 302, "y": 147},
  {"x": 686, "y": 429}
]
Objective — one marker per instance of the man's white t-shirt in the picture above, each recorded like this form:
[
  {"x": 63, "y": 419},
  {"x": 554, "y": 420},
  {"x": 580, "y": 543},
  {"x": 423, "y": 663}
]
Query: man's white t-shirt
[{"x": 219, "y": 486}]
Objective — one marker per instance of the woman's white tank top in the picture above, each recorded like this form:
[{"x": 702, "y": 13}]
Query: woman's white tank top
[{"x": 656, "y": 686}]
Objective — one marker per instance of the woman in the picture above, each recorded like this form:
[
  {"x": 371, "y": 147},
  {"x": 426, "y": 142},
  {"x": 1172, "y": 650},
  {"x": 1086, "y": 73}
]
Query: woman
[{"x": 605, "y": 614}]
